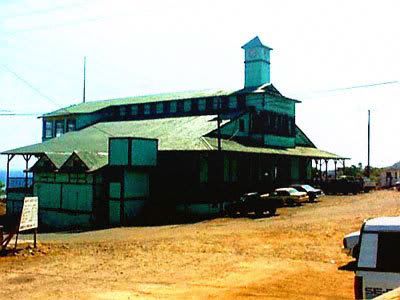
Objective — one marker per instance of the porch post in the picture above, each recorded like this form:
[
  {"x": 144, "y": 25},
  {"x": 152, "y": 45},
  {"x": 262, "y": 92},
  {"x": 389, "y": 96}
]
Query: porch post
[
  {"x": 335, "y": 161},
  {"x": 344, "y": 166},
  {"x": 326, "y": 170},
  {"x": 320, "y": 170}
]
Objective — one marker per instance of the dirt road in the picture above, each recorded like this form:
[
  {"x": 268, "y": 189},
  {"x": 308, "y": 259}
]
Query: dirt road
[{"x": 295, "y": 255}]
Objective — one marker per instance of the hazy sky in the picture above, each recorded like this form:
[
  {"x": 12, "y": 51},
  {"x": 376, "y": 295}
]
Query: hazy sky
[{"x": 140, "y": 47}]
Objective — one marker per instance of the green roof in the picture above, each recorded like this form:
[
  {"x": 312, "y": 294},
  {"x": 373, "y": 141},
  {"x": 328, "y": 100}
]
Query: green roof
[
  {"x": 301, "y": 151},
  {"x": 173, "y": 134},
  {"x": 92, "y": 106}
]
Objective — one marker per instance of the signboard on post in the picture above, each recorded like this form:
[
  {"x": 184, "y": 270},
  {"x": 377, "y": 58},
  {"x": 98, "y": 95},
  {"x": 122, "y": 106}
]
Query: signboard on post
[{"x": 29, "y": 215}]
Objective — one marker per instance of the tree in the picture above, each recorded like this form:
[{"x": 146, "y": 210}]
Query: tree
[{"x": 2, "y": 186}]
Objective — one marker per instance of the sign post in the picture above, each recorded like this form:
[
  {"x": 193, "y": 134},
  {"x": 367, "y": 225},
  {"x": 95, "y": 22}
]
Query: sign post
[{"x": 29, "y": 218}]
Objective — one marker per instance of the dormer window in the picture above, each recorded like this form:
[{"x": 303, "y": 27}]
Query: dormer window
[
  {"x": 48, "y": 129},
  {"x": 122, "y": 111},
  {"x": 173, "y": 107},
  {"x": 202, "y": 104},
  {"x": 153, "y": 108},
  {"x": 147, "y": 109},
  {"x": 59, "y": 128},
  {"x": 159, "y": 108},
  {"x": 187, "y": 105},
  {"x": 134, "y": 110},
  {"x": 71, "y": 125}
]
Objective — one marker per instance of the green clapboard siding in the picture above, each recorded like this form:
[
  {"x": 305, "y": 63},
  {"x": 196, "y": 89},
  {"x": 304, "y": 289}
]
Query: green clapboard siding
[
  {"x": 115, "y": 212},
  {"x": 77, "y": 197},
  {"x": 49, "y": 194},
  {"x": 119, "y": 152},
  {"x": 136, "y": 184},
  {"x": 59, "y": 220},
  {"x": 295, "y": 168},
  {"x": 133, "y": 209},
  {"x": 144, "y": 152},
  {"x": 279, "y": 141},
  {"x": 115, "y": 190}
]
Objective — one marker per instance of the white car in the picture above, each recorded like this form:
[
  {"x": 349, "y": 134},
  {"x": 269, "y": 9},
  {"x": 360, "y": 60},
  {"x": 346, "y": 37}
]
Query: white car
[
  {"x": 350, "y": 244},
  {"x": 378, "y": 263}
]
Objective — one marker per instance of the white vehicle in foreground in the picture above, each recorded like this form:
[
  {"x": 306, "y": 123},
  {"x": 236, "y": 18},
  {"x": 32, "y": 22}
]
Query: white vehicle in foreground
[
  {"x": 350, "y": 244},
  {"x": 378, "y": 263}
]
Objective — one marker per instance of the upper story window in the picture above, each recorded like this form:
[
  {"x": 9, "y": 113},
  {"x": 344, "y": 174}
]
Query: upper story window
[
  {"x": 202, "y": 104},
  {"x": 59, "y": 128},
  {"x": 232, "y": 102},
  {"x": 122, "y": 111},
  {"x": 159, "y": 108},
  {"x": 147, "y": 109},
  {"x": 173, "y": 107},
  {"x": 187, "y": 104},
  {"x": 71, "y": 125},
  {"x": 215, "y": 102},
  {"x": 134, "y": 110},
  {"x": 48, "y": 129}
]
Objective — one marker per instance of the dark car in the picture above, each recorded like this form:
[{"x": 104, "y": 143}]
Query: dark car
[
  {"x": 343, "y": 185},
  {"x": 253, "y": 202},
  {"x": 312, "y": 192}
]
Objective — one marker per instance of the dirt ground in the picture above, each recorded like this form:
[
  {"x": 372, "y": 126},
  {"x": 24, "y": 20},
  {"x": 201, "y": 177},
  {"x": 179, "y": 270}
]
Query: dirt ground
[{"x": 295, "y": 255}]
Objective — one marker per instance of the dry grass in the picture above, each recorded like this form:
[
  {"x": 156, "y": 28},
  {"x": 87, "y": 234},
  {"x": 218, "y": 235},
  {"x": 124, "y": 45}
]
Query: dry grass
[{"x": 294, "y": 255}]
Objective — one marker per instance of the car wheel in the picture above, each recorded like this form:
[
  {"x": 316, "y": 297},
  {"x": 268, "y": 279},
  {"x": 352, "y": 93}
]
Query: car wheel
[
  {"x": 290, "y": 202},
  {"x": 272, "y": 211}
]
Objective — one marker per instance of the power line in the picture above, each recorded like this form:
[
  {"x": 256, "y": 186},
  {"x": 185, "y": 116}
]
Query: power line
[
  {"x": 45, "y": 97},
  {"x": 29, "y": 85}
]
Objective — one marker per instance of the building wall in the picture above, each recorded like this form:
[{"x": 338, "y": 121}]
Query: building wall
[{"x": 66, "y": 200}]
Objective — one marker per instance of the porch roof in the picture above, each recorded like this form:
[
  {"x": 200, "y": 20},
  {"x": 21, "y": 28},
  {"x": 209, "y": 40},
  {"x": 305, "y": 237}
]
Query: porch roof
[{"x": 174, "y": 134}]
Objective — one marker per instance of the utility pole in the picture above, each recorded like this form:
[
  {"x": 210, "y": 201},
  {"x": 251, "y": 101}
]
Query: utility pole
[
  {"x": 369, "y": 144},
  {"x": 84, "y": 79}
]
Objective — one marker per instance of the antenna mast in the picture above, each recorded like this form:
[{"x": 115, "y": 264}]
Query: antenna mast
[{"x": 369, "y": 143}]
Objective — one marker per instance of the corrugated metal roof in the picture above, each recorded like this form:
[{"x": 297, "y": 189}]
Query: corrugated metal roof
[
  {"x": 174, "y": 134},
  {"x": 236, "y": 146},
  {"x": 92, "y": 106}
]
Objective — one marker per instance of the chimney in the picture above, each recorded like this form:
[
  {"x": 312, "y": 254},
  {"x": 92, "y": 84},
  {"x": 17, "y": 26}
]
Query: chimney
[{"x": 256, "y": 63}]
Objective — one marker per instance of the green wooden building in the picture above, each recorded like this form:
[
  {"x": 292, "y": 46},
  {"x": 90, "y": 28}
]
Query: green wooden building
[{"x": 105, "y": 162}]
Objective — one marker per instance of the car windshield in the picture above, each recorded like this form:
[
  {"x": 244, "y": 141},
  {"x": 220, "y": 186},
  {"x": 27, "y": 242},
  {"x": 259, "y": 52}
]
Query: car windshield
[
  {"x": 307, "y": 187},
  {"x": 292, "y": 191}
]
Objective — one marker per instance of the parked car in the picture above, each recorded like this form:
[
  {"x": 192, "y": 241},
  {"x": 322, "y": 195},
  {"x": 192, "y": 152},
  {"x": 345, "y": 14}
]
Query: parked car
[
  {"x": 289, "y": 196},
  {"x": 397, "y": 185},
  {"x": 343, "y": 185},
  {"x": 378, "y": 263},
  {"x": 312, "y": 192},
  {"x": 368, "y": 185},
  {"x": 253, "y": 202},
  {"x": 350, "y": 244}
]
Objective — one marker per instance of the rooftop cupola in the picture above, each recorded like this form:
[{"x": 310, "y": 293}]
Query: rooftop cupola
[{"x": 257, "y": 63}]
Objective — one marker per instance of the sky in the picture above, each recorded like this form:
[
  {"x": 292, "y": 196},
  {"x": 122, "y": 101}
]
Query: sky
[{"x": 143, "y": 47}]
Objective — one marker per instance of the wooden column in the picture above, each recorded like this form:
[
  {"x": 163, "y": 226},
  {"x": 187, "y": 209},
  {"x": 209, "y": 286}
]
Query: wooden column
[
  {"x": 335, "y": 162},
  {"x": 326, "y": 170},
  {"x": 320, "y": 170}
]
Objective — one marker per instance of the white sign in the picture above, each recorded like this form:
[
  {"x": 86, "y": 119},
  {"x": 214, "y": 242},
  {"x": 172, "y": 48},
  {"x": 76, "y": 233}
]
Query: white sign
[{"x": 29, "y": 215}]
